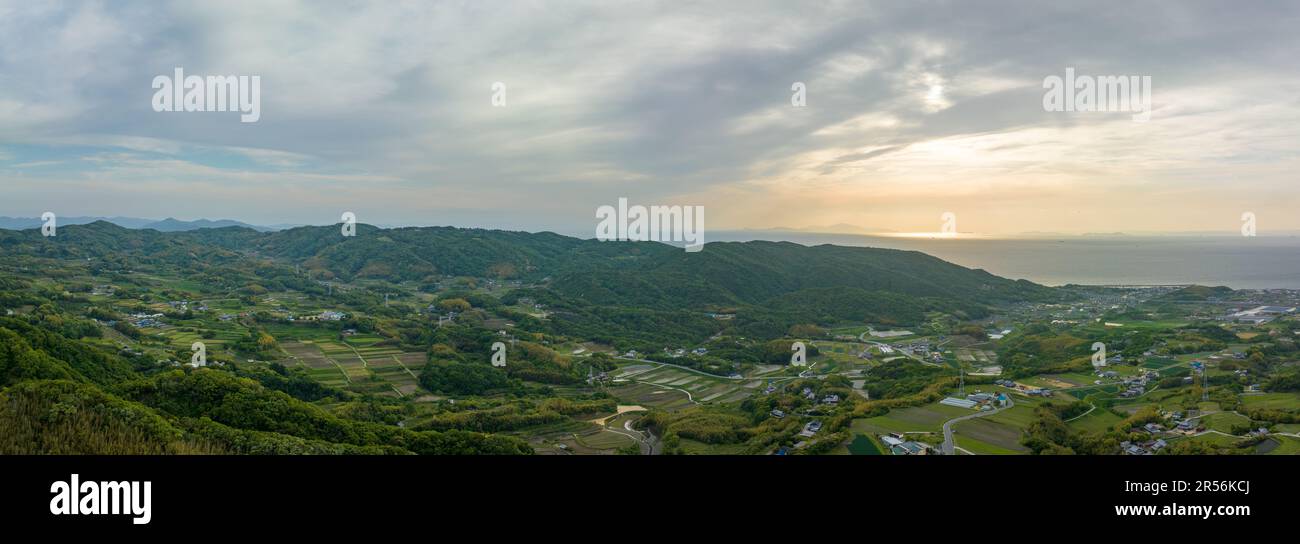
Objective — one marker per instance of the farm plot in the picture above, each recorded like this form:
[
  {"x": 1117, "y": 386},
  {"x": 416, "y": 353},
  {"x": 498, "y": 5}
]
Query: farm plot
[
  {"x": 927, "y": 418},
  {"x": 370, "y": 370},
  {"x": 701, "y": 388},
  {"x": 651, "y": 396},
  {"x": 988, "y": 437}
]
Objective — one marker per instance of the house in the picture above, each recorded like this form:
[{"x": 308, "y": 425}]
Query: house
[
  {"x": 1188, "y": 425},
  {"x": 778, "y": 414},
  {"x": 811, "y": 428},
  {"x": 1132, "y": 449},
  {"x": 831, "y": 399},
  {"x": 891, "y": 441},
  {"x": 1153, "y": 428}
]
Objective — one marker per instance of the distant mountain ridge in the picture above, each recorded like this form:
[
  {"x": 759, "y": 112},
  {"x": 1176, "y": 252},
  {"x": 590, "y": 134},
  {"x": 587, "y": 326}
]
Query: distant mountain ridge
[{"x": 169, "y": 224}]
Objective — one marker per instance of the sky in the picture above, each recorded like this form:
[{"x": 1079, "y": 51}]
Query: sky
[{"x": 912, "y": 109}]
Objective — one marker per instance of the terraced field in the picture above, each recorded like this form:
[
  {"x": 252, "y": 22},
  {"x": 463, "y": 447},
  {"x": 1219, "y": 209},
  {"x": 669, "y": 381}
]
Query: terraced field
[
  {"x": 673, "y": 388},
  {"x": 371, "y": 369}
]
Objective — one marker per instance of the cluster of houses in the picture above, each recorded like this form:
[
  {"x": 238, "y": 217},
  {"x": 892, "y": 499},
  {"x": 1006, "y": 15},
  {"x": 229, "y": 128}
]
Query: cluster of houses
[
  {"x": 681, "y": 352},
  {"x": 1146, "y": 447},
  {"x": 808, "y": 393},
  {"x": 1178, "y": 424},
  {"x": 595, "y": 378},
  {"x": 919, "y": 347},
  {"x": 1136, "y": 385},
  {"x": 1155, "y": 431},
  {"x": 899, "y": 445},
  {"x": 184, "y": 305},
  {"x": 327, "y": 315},
  {"x": 146, "y": 320}
]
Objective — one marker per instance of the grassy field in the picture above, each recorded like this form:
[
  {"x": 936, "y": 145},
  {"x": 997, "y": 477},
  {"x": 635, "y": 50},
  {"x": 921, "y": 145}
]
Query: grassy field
[
  {"x": 1097, "y": 421},
  {"x": 1281, "y": 401},
  {"x": 1224, "y": 421},
  {"x": 928, "y": 418}
]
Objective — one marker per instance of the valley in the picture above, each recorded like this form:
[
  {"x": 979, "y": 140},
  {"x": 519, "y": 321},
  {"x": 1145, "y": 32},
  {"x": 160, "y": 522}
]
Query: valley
[{"x": 381, "y": 344}]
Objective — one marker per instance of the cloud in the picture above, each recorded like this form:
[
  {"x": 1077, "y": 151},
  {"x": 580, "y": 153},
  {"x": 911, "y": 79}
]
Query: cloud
[{"x": 660, "y": 102}]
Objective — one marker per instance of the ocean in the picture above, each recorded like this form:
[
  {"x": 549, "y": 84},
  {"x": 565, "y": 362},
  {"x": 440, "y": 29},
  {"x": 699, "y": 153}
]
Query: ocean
[{"x": 1260, "y": 262}]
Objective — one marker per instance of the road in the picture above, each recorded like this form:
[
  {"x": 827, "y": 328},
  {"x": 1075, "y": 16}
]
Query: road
[{"x": 948, "y": 445}]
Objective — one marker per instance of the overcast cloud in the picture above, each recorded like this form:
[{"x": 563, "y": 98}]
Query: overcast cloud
[{"x": 913, "y": 109}]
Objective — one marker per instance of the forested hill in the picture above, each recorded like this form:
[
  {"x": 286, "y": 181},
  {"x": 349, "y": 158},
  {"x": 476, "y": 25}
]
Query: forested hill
[{"x": 643, "y": 274}]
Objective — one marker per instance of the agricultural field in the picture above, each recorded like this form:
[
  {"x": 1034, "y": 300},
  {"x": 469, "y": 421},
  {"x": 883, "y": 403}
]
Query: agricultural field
[
  {"x": 928, "y": 418},
  {"x": 1275, "y": 401},
  {"x": 366, "y": 369},
  {"x": 987, "y": 436}
]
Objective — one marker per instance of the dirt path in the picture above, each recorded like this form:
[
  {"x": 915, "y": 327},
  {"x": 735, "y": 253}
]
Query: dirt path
[{"x": 620, "y": 410}]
